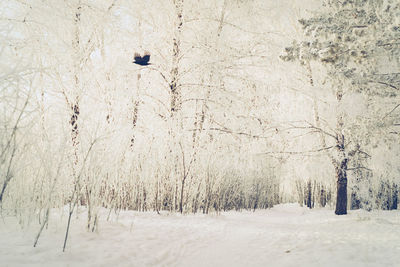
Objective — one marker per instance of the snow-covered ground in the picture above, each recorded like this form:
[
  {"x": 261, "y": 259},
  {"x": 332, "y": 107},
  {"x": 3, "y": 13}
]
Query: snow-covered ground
[{"x": 286, "y": 235}]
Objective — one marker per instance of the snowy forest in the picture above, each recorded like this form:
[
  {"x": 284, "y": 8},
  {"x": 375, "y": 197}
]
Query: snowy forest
[{"x": 189, "y": 108}]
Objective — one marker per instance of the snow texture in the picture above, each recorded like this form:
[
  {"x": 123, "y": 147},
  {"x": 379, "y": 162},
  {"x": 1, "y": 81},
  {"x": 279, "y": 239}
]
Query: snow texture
[{"x": 286, "y": 235}]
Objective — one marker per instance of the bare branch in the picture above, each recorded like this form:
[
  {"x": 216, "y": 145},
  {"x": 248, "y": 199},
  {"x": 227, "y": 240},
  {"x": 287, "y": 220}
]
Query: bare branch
[
  {"x": 237, "y": 133},
  {"x": 398, "y": 105},
  {"x": 311, "y": 126},
  {"x": 358, "y": 168},
  {"x": 383, "y": 83},
  {"x": 299, "y": 152}
]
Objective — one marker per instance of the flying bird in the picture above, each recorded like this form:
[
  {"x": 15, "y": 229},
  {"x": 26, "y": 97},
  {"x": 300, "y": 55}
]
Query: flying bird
[{"x": 142, "y": 61}]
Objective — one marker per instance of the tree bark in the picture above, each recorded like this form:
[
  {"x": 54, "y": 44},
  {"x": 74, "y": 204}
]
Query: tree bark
[
  {"x": 176, "y": 53},
  {"x": 341, "y": 197},
  {"x": 395, "y": 193},
  {"x": 181, "y": 200},
  {"x": 309, "y": 195},
  {"x": 135, "y": 111}
]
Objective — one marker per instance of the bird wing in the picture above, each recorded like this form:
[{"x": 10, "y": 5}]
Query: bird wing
[
  {"x": 137, "y": 57},
  {"x": 146, "y": 58}
]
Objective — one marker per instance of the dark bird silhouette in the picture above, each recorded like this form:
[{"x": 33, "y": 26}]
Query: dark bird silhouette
[{"x": 142, "y": 61}]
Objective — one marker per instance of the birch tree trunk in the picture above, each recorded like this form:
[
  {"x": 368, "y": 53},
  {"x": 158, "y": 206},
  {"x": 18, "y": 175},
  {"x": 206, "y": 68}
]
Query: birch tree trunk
[
  {"x": 174, "y": 86},
  {"x": 341, "y": 162}
]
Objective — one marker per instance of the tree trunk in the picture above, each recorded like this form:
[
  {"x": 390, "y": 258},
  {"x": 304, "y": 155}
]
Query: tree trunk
[
  {"x": 323, "y": 197},
  {"x": 176, "y": 51},
  {"x": 341, "y": 197},
  {"x": 181, "y": 200},
  {"x": 309, "y": 195},
  {"x": 395, "y": 192},
  {"x": 135, "y": 111}
]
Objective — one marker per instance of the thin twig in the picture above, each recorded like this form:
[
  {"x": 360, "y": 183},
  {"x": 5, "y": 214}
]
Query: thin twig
[
  {"x": 398, "y": 105},
  {"x": 298, "y": 152},
  {"x": 357, "y": 168}
]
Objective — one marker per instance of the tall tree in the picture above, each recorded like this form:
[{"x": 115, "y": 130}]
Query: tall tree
[{"x": 353, "y": 40}]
